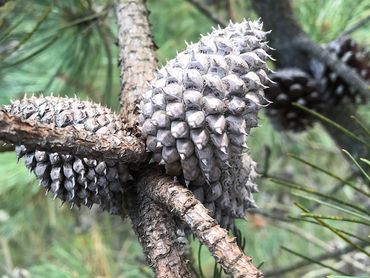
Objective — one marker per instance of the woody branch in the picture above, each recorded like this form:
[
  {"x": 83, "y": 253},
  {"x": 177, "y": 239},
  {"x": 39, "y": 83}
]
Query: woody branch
[
  {"x": 153, "y": 185},
  {"x": 70, "y": 140},
  {"x": 153, "y": 224}
]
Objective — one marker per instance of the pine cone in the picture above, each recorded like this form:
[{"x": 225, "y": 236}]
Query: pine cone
[
  {"x": 199, "y": 110},
  {"x": 292, "y": 85},
  {"x": 334, "y": 89},
  {"x": 77, "y": 180}
]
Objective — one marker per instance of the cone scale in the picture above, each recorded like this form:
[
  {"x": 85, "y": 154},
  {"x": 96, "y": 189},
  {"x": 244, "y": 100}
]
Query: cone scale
[
  {"x": 77, "y": 180},
  {"x": 200, "y": 109}
]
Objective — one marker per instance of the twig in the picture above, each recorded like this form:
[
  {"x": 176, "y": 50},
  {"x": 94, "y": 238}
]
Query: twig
[
  {"x": 336, "y": 65},
  {"x": 332, "y": 255},
  {"x": 70, "y": 140},
  {"x": 355, "y": 27},
  {"x": 208, "y": 13},
  {"x": 153, "y": 224},
  {"x": 183, "y": 203}
]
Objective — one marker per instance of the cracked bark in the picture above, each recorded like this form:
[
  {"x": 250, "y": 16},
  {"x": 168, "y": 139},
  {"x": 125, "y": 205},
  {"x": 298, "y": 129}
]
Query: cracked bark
[
  {"x": 70, "y": 140},
  {"x": 182, "y": 202},
  {"x": 153, "y": 224},
  {"x": 137, "y": 59},
  {"x": 294, "y": 49},
  {"x": 155, "y": 228}
]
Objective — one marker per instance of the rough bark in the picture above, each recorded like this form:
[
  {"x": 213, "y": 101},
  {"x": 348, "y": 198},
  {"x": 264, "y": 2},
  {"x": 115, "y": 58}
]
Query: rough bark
[
  {"x": 137, "y": 59},
  {"x": 70, "y": 140},
  {"x": 182, "y": 202},
  {"x": 153, "y": 224},
  {"x": 294, "y": 49},
  {"x": 155, "y": 228}
]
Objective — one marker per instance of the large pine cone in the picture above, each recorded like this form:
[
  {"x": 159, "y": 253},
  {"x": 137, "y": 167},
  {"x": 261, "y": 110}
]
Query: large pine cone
[
  {"x": 334, "y": 89},
  {"x": 77, "y": 180},
  {"x": 292, "y": 85},
  {"x": 199, "y": 110}
]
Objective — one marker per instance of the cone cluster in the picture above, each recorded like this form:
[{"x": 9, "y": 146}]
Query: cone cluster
[
  {"x": 317, "y": 89},
  {"x": 200, "y": 109},
  {"x": 77, "y": 180}
]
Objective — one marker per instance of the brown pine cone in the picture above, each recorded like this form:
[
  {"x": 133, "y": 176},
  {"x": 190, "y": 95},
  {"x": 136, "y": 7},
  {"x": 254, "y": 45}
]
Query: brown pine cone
[
  {"x": 334, "y": 89},
  {"x": 292, "y": 85}
]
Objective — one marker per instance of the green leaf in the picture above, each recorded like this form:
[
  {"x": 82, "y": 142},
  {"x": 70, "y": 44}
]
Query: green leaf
[
  {"x": 366, "y": 217},
  {"x": 329, "y": 174},
  {"x": 315, "y": 192},
  {"x": 335, "y": 231},
  {"x": 26, "y": 38},
  {"x": 362, "y": 125},
  {"x": 311, "y": 260},
  {"x": 331, "y": 122},
  {"x": 335, "y": 218},
  {"x": 356, "y": 163}
]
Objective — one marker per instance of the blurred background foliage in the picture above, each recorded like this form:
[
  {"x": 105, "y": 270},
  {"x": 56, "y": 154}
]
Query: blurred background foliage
[{"x": 69, "y": 48}]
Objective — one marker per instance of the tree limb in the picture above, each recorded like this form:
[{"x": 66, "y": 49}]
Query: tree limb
[
  {"x": 155, "y": 228},
  {"x": 207, "y": 12},
  {"x": 137, "y": 59},
  {"x": 153, "y": 224},
  {"x": 345, "y": 72},
  {"x": 183, "y": 203},
  {"x": 69, "y": 140}
]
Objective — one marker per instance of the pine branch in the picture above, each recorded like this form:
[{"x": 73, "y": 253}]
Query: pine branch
[
  {"x": 345, "y": 72},
  {"x": 159, "y": 188},
  {"x": 137, "y": 59},
  {"x": 182, "y": 202},
  {"x": 153, "y": 224},
  {"x": 292, "y": 46},
  {"x": 207, "y": 12},
  {"x": 69, "y": 140},
  {"x": 155, "y": 228}
]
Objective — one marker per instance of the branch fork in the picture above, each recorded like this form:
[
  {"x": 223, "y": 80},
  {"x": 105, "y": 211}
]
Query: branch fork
[{"x": 155, "y": 199}]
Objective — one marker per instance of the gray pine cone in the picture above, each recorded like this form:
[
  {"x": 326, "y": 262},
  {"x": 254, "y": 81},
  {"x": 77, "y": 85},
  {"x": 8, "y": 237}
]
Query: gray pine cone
[
  {"x": 77, "y": 180},
  {"x": 199, "y": 110}
]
